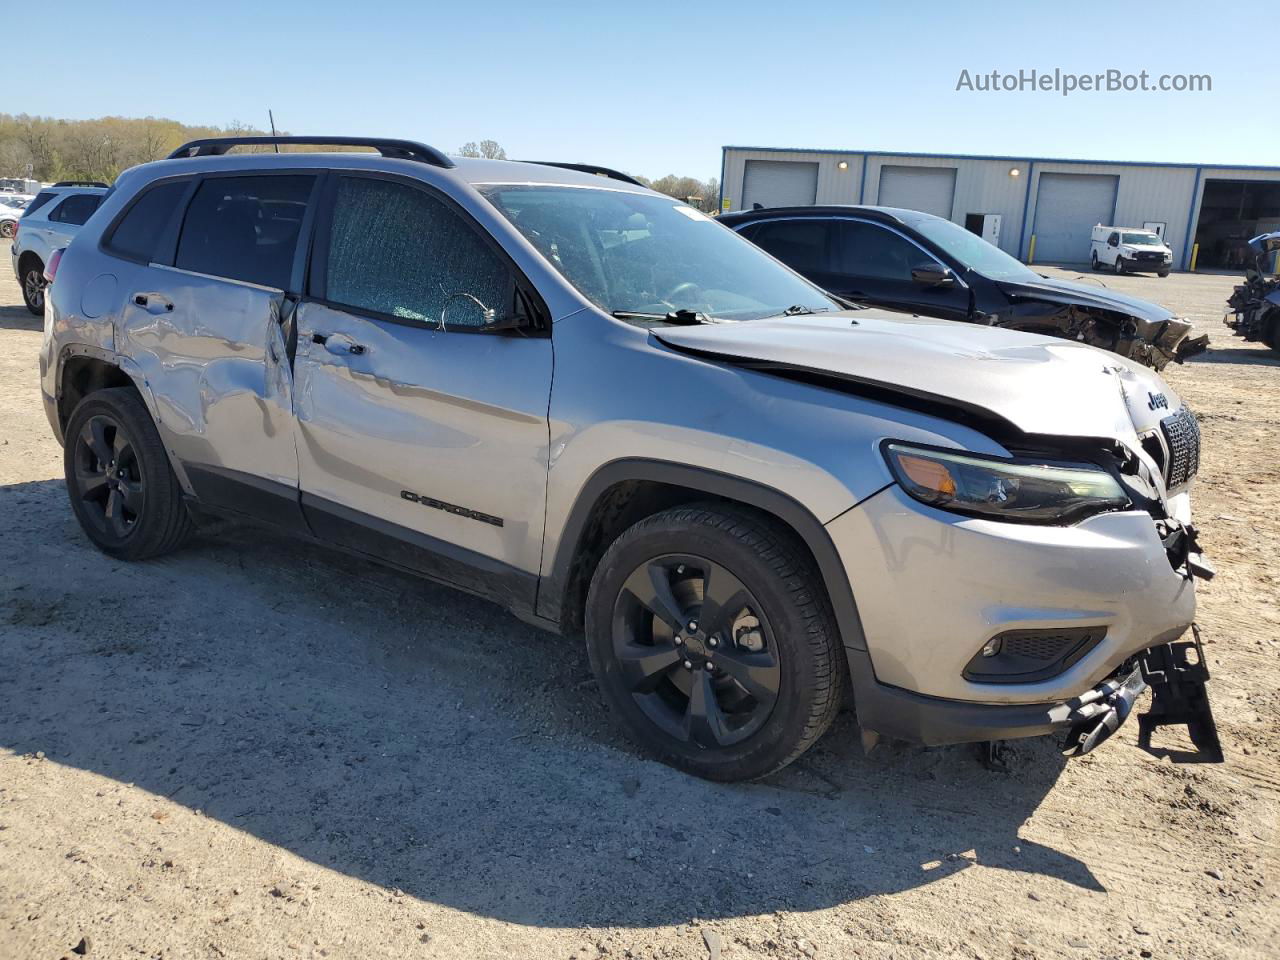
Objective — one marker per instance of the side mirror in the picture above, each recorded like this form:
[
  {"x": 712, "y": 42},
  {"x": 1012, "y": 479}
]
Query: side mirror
[
  {"x": 933, "y": 275},
  {"x": 466, "y": 310}
]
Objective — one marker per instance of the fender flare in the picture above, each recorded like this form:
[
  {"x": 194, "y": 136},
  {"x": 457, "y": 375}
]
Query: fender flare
[{"x": 552, "y": 590}]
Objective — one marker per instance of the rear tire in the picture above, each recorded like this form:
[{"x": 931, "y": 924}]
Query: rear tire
[
  {"x": 1093, "y": 261},
  {"x": 712, "y": 643},
  {"x": 33, "y": 286},
  {"x": 121, "y": 486}
]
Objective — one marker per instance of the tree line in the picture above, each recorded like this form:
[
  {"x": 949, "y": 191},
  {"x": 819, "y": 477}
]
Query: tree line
[{"x": 49, "y": 149}]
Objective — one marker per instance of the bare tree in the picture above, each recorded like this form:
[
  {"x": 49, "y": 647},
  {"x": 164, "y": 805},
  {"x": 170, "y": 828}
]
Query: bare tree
[{"x": 489, "y": 149}]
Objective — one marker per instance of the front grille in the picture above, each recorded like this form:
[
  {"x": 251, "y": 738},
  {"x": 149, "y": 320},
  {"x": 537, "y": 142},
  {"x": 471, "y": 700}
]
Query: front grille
[
  {"x": 1150, "y": 255},
  {"x": 1182, "y": 434}
]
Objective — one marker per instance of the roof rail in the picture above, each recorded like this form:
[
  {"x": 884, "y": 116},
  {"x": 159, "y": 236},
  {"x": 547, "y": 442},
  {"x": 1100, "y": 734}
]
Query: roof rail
[
  {"x": 394, "y": 149},
  {"x": 589, "y": 168},
  {"x": 81, "y": 183}
]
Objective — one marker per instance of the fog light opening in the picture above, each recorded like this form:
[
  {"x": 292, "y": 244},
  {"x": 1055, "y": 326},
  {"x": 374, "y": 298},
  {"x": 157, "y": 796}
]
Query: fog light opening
[{"x": 991, "y": 647}]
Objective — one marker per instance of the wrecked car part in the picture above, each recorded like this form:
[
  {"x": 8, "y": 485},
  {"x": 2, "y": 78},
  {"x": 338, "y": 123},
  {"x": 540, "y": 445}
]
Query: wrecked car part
[
  {"x": 1255, "y": 304},
  {"x": 1176, "y": 673},
  {"x": 1102, "y": 710}
]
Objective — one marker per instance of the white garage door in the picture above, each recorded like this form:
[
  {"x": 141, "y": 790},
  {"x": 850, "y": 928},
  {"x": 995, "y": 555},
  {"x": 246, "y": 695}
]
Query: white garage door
[
  {"x": 1067, "y": 207},
  {"x": 779, "y": 183},
  {"x": 928, "y": 189}
]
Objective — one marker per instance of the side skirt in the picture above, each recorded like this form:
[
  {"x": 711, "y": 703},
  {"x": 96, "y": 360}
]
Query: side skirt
[{"x": 282, "y": 507}]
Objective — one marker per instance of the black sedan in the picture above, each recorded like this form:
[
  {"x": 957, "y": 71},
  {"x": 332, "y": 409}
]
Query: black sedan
[{"x": 916, "y": 262}]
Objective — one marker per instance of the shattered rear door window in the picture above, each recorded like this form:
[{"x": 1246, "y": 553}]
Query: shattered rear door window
[{"x": 397, "y": 251}]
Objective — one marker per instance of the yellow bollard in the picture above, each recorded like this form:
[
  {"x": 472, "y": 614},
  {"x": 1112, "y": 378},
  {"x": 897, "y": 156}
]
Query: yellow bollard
[
  {"x": 1195, "y": 252},
  {"x": 1031, "y": 251}
]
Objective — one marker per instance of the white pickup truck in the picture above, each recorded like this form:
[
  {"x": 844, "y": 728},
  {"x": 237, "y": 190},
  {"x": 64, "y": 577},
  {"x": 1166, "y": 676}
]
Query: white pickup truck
[{"x": 1129, "y": 249}]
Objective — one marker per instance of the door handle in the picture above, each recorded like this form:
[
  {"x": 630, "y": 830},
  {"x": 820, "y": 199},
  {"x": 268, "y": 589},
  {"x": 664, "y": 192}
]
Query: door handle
[{"x": 338, "y": 343}]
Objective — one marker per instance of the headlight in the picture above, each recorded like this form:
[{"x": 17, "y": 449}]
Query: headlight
[{"x": 1004, "y": 489}]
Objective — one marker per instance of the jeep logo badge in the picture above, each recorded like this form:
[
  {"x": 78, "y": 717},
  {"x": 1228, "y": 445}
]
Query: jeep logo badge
[{"x": 1157, "y": 401}]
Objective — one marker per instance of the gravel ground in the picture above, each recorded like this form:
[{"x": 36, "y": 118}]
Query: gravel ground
[{"x": 258, "y": 749}]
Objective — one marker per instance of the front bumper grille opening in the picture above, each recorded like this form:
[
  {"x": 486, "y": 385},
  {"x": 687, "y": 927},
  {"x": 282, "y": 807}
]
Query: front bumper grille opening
[
  {"x": 1182, "y": 436},
  {"x": 1029, "y": 656}
]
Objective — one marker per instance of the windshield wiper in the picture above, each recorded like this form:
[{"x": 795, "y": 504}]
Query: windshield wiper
[
  {"x": 797, "y": 310},
  {"x": 682, "y": 317}
]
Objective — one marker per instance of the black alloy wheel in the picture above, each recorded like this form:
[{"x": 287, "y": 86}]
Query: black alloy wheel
[
  {"x": 107, "y": 477},
  {"x": 698, "y": 656}
]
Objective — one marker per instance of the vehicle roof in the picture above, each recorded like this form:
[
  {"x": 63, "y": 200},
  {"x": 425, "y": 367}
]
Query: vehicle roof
[
  {"x": 895, "y": 214},
  {"x": 470, "y": 170}
]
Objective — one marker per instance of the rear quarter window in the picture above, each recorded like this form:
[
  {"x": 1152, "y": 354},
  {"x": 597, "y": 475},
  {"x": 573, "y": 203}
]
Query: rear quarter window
[
  {"x": 138, "y": 233},
  {"x": 75, "y": 209},
  {"x": 41, "y": 199}
]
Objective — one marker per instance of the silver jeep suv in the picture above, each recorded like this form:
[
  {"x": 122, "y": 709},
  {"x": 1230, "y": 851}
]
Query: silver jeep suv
[{"x": 552, "y": 387}]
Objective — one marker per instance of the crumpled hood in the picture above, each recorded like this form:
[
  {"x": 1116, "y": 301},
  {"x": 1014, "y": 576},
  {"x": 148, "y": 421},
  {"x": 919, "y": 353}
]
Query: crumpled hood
[
  {"x": 1065, "y": 291},
  {"x": 1041, "y": 385}
]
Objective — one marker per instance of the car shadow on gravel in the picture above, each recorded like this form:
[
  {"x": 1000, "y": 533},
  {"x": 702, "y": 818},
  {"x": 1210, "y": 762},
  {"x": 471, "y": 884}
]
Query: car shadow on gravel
[
  {"x": 19, "y": 318},
  {"x": 420, "y": 739},
  {"x": 1260, "y": 355}
]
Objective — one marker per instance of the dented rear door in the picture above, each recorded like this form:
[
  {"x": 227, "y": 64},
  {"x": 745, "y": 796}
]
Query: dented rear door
[{"x": 210, "y": 327}]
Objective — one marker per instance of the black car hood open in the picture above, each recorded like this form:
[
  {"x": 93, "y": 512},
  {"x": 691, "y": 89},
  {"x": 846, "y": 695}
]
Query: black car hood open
[{"x": 1064, "y": 291}]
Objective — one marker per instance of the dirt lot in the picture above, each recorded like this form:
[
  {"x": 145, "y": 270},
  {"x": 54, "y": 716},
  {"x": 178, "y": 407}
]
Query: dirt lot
[{"x": 255, "y": 749}]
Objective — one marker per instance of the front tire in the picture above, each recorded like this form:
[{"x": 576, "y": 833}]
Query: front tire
[
  {"x": 121, "y": 486},
  {"x": 33, "y": 286},
  {"x": 713, "y": 643},
  {"x": 1118, "y": 266}
]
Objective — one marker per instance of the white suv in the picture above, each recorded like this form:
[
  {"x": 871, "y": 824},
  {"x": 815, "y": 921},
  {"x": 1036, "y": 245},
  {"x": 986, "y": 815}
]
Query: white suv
[{"x": 48, "y": 224}]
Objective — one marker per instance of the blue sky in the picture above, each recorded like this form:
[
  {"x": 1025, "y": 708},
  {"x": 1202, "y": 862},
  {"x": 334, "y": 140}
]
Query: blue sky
[{"x": 659, "y": 87}]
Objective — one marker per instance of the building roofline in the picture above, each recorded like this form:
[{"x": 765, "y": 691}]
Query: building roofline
[{"x": 1026, "y": 158}]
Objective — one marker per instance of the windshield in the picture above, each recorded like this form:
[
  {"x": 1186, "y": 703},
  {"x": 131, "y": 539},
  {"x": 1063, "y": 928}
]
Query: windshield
[
  {"x": 1141, "y": 239},
  {"x": 632, "y": 253},
  {"x": 972, "y": 251}
]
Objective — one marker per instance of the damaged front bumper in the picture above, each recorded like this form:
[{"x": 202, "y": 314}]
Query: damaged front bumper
[{"x": 1174, "y": 671}]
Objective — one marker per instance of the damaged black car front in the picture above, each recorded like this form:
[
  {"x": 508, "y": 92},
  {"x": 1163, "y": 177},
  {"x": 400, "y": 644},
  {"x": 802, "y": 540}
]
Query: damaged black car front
[{"x": 915, "y": 262}]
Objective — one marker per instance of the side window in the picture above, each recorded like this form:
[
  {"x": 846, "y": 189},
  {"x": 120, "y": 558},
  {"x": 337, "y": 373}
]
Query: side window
[
  {"x": 136, "y": 235},
  {"x": 75, "y": 209},
  {"x": 245, "y": 228},
  {"x": 1114, "y": 239},
  {"x": 41, "y": 198},
  {"x": 800, "y": 244},
  {"x": 867, "y": 250},
  {"x": 396, "y": 250}
]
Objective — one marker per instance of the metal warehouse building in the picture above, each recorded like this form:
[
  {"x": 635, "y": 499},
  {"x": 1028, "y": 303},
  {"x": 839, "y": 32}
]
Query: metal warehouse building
[{"x": 1033, "y": 208}]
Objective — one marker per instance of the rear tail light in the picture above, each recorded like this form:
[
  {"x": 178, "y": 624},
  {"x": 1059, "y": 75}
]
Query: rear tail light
[{"x": 51, "y": 268}]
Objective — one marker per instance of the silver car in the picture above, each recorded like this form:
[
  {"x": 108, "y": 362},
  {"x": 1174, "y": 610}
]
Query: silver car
[{"x": 552, "y": 387}]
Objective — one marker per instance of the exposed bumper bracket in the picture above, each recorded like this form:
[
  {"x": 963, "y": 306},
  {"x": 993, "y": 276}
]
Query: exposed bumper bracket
[
  {"x": 1101, "y": 712},
  {"x": 1178, "y": 695}
]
